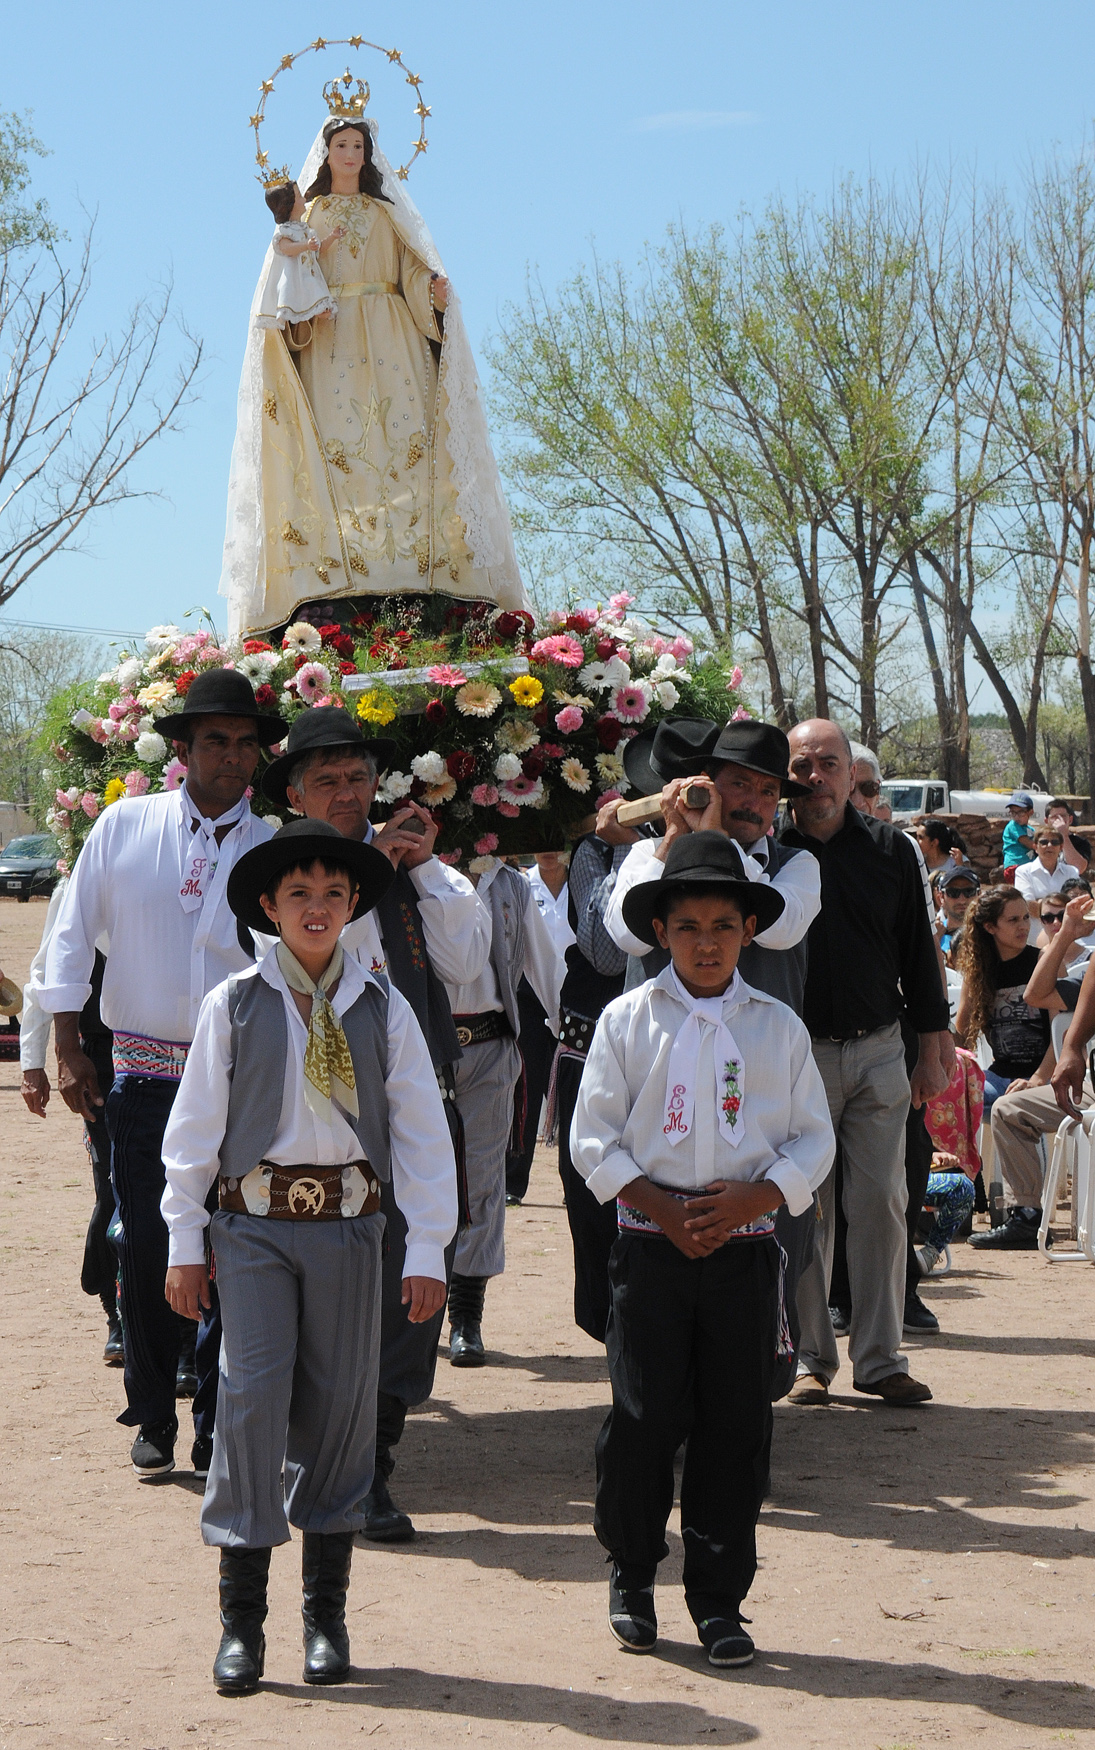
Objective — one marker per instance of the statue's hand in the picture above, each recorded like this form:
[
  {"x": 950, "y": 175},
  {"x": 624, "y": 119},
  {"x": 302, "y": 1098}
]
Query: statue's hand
[{"x": 441, "y": 290}]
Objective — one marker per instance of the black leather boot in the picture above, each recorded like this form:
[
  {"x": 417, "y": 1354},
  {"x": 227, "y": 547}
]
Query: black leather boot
[
  {"x": 242, "y": 1652},
  {"x": 326, "y": 1575},
  {"x": 384, "y": 1521},
  {"x": 466, "y": 1297}
]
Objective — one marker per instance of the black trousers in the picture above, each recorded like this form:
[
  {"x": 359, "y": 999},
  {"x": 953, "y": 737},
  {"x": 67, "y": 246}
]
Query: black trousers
[
  {"x": 592, "y": 1225},
  {"x": 691, "y": 1351},
  {"x": 537, "y": 1048},
  {"x": 137, "y": 1110},
  {"x": 99, "y": 1271}
]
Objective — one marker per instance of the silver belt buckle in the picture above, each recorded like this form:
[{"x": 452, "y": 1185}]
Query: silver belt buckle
[
  {"x": 356, "y": 1188},
  {"x": 255, "y": 1190}
]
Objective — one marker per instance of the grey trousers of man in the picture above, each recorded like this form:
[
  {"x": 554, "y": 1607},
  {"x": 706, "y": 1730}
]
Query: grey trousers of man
[
  {"x": 296, "y": 1408},
  {"x": 1019, "y": 1121},
  {"x": 868, "y": 1094},
  {"x": 486, "y": 1076}
]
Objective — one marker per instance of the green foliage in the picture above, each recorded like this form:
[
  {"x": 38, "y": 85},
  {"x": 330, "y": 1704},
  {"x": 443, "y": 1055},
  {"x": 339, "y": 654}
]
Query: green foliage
[{"x": 21, "y": 224}]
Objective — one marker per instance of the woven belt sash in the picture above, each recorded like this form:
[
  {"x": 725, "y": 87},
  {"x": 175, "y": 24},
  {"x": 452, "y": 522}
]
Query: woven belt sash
[
  {"x": 137, "y": 1055},
  {"x": 364, "y": 289},
  {"x": 302, "y": 1193},
  {"x": 478, "y": 1029}
]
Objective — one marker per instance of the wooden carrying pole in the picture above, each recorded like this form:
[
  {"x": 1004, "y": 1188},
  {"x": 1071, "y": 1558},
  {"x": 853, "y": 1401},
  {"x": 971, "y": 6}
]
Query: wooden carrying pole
[{"x": 646, "y": 808}]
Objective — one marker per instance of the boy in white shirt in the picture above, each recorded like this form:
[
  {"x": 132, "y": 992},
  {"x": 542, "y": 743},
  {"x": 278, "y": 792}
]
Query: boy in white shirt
[
  {"x": 701, "y": 1111},
  {"x": 307, "y": 1084}
]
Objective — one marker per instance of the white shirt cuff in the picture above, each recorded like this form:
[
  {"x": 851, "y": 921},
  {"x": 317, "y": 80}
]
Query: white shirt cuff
[
  {"x": 429, "y": 878},
  {"x": 795, "y": 1186},
  {"x": 63, "y": 999},
  {"x": 186, "y": 1245},
  {"x": 424, "y": 1259},
  {"x": 615, "y": 1171}
]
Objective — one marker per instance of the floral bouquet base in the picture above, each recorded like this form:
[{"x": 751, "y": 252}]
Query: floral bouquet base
[{"x": 510, "y": 732}]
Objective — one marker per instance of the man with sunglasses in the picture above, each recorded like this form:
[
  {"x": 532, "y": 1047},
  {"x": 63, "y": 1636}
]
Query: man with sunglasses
[
  {"x": 1037, "y": 880},
  {"x": 955, "y": 887}
]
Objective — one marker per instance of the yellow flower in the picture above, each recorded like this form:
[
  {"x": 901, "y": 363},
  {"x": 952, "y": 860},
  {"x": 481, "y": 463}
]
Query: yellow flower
[
  {"x": 376, "y": 707},
  {"x": 526, "y": 690},
  {"x": 114, "y": 791}
]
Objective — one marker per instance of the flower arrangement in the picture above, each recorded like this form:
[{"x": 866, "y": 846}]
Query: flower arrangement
[{"x": 510, "y": 732}]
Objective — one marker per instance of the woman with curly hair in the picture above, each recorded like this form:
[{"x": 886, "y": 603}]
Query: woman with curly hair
[{"x": 997, "y": 963}]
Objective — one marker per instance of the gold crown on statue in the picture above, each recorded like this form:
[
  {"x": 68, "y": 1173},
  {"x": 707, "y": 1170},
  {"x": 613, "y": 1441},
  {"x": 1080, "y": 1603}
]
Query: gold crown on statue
[
  {"x": 281, "y": 173},
  {"x": 348, "y": 107}
]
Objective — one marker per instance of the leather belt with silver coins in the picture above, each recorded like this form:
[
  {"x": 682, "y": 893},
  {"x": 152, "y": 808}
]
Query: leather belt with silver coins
[
  {"x": 303, "y": 1193},
  {"x": 576, "y": 1032},
  {"x": 478, "y": 1029}
]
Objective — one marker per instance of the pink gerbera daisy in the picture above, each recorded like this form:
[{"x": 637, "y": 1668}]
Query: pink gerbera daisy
[
  {"x": 560, "y": 648},
  {"x": 174, "y": 773},
  {"x": 631, "y": 703},
  {"x": 443, "y": 674},
  {"x": 312, "y": 680}
]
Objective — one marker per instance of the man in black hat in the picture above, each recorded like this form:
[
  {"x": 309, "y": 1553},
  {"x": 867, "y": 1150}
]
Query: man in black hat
[
  {"x": 430, "y": 927},
  {"x": 151, "y": 877},
  {"x": 742, "y": 767}
]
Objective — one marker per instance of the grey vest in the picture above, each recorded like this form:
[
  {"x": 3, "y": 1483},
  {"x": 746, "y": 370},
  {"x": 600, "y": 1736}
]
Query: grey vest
[
  {"x": 508, "y": 895},
  {"x": 260, "y": 1037},
  {"x": 779, "y": 972}
]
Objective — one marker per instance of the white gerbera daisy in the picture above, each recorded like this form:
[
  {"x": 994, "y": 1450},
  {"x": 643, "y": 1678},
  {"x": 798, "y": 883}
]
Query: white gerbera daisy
[{"x": 301, "y": 636}]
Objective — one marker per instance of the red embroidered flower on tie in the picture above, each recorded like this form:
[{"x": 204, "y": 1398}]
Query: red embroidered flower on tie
[{"x": 731, "y": 1093}]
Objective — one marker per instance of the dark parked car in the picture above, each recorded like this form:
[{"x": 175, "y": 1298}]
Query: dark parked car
[{"x": 29, "y": 865}]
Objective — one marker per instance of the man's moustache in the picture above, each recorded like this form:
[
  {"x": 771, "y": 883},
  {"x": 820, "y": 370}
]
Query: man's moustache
[{"x": 746, "y": 814}]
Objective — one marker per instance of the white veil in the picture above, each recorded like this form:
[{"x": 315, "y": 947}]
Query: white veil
[{"x": 480, "y": 500}]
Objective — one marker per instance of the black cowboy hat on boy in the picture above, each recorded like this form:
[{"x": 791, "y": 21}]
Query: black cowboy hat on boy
[
  {"x": 297, "y": 845},
  {"x": 222, "y": 692},
  {"x": 697, "y": 859},
  {"x": 322, "y": 726}
]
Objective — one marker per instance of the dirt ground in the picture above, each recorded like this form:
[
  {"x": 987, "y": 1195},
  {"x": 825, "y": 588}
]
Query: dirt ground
[{"x": 926, "y": 1576}]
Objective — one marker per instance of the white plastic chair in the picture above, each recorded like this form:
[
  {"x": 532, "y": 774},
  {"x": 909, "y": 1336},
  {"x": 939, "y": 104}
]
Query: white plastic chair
[
  {"x": 1073, "y": 1157},
  {"x": 994, "y": 1188}
]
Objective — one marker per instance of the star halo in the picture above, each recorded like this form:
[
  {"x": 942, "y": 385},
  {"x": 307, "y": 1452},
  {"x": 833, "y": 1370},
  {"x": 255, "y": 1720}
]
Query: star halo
[{"x": 421, "y": 110}]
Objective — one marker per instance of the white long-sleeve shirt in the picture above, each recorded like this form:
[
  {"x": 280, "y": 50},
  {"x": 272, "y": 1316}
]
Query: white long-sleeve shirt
[
  {"x": 35, "y": 1022},
  {"x": 455, "y": 924},
  {"x": 542, "y": 965},
  {"x": 162, "y": 959},
  {"x": 799, "y": 882},
  {"x": 617, "y": 1134},
  {"x": 423, "y": 1165}
]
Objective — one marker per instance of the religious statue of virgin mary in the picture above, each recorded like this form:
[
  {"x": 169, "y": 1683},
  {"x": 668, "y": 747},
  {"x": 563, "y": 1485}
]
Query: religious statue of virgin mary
[{"x": 362, "y": 463}]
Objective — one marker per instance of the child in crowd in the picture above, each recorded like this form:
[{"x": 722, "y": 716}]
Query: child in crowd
[
  {"x": 701, "y": 1110},
  {"x": 307, "y": 1083},
  {"x": 1018, "y": 840},
  {"x": 294, "y": 290},
  {"x": 951, "y": 1195}
]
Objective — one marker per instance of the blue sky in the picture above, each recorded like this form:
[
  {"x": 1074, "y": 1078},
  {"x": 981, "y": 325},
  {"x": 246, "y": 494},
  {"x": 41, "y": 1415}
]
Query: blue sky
[{"x": 552, "y": 127}]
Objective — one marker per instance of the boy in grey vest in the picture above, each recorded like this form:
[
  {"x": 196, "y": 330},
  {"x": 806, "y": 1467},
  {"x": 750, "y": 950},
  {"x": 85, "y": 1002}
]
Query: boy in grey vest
[{"x": 307, "y": 1086}]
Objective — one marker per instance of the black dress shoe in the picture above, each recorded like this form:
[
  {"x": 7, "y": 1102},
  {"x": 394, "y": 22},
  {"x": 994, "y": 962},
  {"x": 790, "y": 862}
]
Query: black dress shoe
[
  {"x": 842, "y": 1320},
  {"x": 325, "y": 1571},
  {"x": 241, "y": 1656},
  {"x": 153, "y": 1452},
  {"x": 726, "y": 1641},
  {"x": 631, "y": 1614},
  {"x": 918, "y": 1317},
  {"x": 114, "y": 1351},
  {"x": 1018, "y": 1234},
  {"x": 466, "y": 1297},
  {"x": 384, "y": 1523},
  {"x": 201, "y": 1455}
]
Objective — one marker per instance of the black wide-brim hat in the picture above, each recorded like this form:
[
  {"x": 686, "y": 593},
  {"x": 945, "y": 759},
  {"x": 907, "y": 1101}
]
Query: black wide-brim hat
[
  {"x": 299, "y": 843},
  {"x": 322, "y": 726},
  {"x": 679, "y": 748},
  {"x": 700, "y": 859},
  {"x": 222, "y": 692},
  {"x": 760, "y": 747}
]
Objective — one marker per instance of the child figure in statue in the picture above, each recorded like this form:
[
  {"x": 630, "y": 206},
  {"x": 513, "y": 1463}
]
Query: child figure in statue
[{"x": 295, "y": 290}]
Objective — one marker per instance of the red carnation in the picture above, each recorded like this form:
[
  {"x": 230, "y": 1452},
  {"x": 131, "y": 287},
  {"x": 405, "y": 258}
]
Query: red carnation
[
  {"x": 609, "y": 731},
  {"x": 252, "y": 646},
  {"x": 607, "y": 647},
  {"x": 507, "y": 626},
  {"x": 460, "y": 765},
  {"x": 329, "y": 633},
  {"x": 582, "y": 621},
  {"x": 533, "y": 763},
  {"x": 185, "y": 682},
  {"x": 347, "y": 668},
  {"x": 363, "y": 620},
  {"x": 265, "y": 695},
  {"x": 435, "y": 712}
]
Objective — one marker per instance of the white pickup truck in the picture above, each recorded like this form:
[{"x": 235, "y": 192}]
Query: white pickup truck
[{"x": 909, "y": 797}]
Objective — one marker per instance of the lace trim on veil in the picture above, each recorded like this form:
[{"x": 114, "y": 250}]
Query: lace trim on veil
[{"x": 480, "y": 500}]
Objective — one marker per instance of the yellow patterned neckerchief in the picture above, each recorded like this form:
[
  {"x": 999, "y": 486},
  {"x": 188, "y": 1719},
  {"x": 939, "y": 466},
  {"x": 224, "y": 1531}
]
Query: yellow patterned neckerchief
[{"x": 328, "y": 1066}]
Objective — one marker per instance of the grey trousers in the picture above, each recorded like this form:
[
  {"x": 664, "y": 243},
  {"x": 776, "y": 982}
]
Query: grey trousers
[
  {"x": 868, "y": 1094},
  {"x": 296, "y": 1409},
  {"x": 1018, "y": 1122},
  {"x": 486, "y": 1076}
]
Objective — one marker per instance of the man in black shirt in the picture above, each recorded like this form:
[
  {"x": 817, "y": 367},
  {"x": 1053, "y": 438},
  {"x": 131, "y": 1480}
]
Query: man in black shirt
[{"x": 871, "y": 956}]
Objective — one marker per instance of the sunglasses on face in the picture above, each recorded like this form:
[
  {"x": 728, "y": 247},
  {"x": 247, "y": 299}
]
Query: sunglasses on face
[
  {"x": 1050, "y": 841},
  {"x": 868, "y": 787},
  {"x": 960, "y": 892},
  {"x": 1052, "y": 917}
]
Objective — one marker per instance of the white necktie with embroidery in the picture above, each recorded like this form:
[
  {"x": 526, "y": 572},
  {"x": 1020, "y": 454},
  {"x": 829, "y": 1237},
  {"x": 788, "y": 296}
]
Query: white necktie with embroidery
[
  {"x": 684, "y": 1058},
  {"x": 200, "y": 850}
]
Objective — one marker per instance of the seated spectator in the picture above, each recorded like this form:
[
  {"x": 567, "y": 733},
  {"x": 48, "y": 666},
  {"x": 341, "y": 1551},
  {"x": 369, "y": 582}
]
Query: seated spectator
[
  {"x": 937, "y": 843},
  {"x": 955, "y": 885},
  {"x": 996, "y": 964},
  {"x": 1076, "y": 851},
  {"x": 1039, "y": 879},
  {"x": 1051, "y": 913},
  {"x": 1071, "y": 889},
  {"x": 1029, "y": 1110},
  {"x": 1018, "y": 837},
  {"x": 950, "y": 1194}
]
